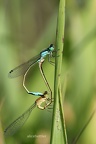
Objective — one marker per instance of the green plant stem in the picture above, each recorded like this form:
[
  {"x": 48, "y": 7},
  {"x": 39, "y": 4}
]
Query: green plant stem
[
  {"x": 58, "y": 134},
  {"x": 84, "y": 127}
]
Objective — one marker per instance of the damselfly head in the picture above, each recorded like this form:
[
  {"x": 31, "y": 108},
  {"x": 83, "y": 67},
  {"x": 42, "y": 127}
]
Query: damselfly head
[{"x": 51, "y": 47}]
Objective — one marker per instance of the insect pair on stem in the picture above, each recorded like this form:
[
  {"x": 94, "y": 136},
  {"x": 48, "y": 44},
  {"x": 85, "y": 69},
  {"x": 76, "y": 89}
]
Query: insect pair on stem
[{"x": 45, "y": 98}]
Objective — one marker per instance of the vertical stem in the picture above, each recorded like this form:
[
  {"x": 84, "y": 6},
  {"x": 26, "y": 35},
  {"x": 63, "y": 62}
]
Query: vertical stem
[{"x": 58, "y": 134}]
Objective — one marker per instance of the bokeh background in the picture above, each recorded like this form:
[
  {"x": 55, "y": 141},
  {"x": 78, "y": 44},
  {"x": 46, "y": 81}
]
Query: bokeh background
[{"x": 26, "y": 28}]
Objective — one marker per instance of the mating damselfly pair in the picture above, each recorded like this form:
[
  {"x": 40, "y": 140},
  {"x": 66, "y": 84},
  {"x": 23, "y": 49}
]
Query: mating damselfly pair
[{"x": 45, "y": 97}]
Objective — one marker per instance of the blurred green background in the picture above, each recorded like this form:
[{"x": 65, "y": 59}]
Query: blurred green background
[{"x": 26, "y": 28}]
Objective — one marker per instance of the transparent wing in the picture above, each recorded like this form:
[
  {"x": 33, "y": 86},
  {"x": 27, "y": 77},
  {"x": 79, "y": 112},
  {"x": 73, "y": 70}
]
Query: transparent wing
[
  {"x": 21, "y": 69},
  {"x": 19, "y": 122}
]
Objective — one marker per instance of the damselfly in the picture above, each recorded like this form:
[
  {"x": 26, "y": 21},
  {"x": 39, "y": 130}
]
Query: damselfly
[
  {"x": 19, "y": 122},
  {"x": 25, "y": 67}
]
